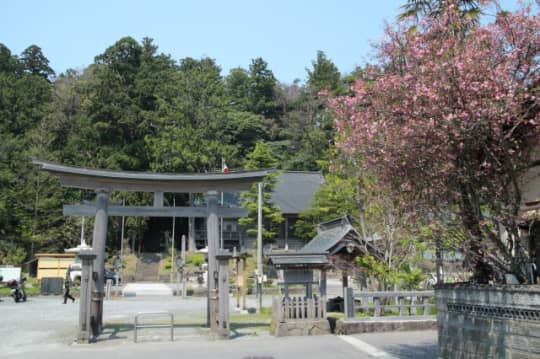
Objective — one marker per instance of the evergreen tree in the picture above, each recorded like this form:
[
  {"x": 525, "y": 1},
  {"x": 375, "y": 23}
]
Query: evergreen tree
[
  {"x": 262, "y": 87},
  {"x": 262, "y": 157},
  {"x": 324, "y": 75},
  {"x": 34, "y": 61}
]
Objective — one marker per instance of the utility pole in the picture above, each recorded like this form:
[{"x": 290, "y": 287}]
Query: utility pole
[
  {"x": 259, "y": 247},
  {"x": 121, "y": 242},
  {"x": 173, "y": 257},
  {"x": 183, "y": 258}
]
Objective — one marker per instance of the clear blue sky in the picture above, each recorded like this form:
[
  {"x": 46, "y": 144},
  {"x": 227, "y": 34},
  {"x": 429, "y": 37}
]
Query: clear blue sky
[{"x": 285, "y": 33}]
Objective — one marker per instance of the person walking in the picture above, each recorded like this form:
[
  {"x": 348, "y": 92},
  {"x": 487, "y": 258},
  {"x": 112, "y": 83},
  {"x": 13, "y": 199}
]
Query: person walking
[{"x": 67, "y": 286}]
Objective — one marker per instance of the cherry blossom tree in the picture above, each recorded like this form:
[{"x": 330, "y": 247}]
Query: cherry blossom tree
[{"x": 447, "y": 120}]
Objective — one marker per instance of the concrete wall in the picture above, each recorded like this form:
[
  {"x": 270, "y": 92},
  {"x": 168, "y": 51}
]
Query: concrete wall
[{"x": 476, "y": 321}]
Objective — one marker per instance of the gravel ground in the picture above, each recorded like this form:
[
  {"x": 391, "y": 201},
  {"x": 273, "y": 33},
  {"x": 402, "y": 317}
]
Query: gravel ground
[
  {"x": 43, "y": 327},
  {"x": 45, "y": 321}
]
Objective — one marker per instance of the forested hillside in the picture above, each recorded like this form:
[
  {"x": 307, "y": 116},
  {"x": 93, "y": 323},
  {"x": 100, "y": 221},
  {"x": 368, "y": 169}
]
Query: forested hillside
[
  {"x": 136, "y": 108},
  {"x": 432, "y": 139}
]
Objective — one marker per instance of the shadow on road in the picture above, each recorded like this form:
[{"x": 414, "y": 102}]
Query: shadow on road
[{"x": 405, "y": 351}]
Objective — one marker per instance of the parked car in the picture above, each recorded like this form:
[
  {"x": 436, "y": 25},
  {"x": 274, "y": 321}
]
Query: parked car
[{"x": 76, "y": 274}]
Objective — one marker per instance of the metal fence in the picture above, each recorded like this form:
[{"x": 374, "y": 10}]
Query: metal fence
[
  {"x": 298, "y": 308},
  {"x": 398, "y": 303},
  {"x": 138, "y": 325}
]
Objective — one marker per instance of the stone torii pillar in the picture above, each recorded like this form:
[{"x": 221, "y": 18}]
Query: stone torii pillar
[
  {"x": 223, "y": 331},
  {"x": 86, "y": 333},
  {"x": 98, "y": 244},
  {"x": 218, "y": 274},
  {"x": 212, "y": 232}
]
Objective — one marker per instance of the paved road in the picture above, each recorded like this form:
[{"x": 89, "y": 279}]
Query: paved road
[
  {"x": 406, "y": 345},
  {"x": 45, "y": 328}
]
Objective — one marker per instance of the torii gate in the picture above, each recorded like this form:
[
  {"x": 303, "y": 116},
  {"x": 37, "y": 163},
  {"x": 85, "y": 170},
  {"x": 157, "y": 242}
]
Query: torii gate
[{"x": 103, "y": 182}]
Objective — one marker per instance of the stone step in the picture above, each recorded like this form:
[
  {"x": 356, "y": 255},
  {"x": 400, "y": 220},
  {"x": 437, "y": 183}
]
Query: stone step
[
  {"x": 148, "y": 267},
  {"x": 146, "y": 289}
]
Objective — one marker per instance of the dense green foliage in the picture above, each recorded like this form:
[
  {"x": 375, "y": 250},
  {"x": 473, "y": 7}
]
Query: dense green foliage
[
  {"x": 135, "y": 108},
  {"x": 262, "y": 157}
]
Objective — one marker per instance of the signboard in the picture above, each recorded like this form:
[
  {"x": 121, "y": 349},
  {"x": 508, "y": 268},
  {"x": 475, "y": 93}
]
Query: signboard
[
  {"x": 9, "y": 273},
  {"x": 298, "y": 276}
]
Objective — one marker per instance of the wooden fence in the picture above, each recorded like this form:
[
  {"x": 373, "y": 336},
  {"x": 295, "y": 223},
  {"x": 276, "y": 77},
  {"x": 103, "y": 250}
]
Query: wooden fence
[
  {"x": 377, "y": 304},
  {"x": 298, "y": 308}
]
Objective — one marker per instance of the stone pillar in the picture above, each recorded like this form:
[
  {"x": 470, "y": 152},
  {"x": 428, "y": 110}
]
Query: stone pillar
[
  {"x": 212, "y": 230},
  {"x": 223, "y": 257},
  {"x": 85, "y": 334},
  {"x": 98, "y": 244}
]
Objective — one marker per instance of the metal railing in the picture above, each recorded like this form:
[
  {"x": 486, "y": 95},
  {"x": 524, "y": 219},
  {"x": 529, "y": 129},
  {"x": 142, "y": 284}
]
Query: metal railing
[
  {"x": 138, "y": 325},
  {"x": 398, "y": 303},
  {"x": 298, "y": 308}
]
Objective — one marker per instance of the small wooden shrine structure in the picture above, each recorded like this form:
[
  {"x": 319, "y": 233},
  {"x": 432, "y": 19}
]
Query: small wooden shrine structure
[{"x": 336, "y": 245}]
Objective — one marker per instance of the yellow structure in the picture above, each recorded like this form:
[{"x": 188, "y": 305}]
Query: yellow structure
[{"x": 53, "y": 264}]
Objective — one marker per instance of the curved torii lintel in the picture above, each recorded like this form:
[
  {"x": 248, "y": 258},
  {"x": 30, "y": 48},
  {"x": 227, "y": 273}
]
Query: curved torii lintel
[{"x": 90, "y": 178}]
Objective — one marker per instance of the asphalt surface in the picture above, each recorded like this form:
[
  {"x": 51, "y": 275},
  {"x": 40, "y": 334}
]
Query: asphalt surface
[{"x": 43, "y": 327}]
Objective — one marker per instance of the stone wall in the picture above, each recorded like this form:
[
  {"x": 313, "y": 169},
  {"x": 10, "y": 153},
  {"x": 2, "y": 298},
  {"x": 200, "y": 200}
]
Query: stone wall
[
  {"x": 301, "y": 328},
  {"x": 476, "y": 321},
  {"x": 384, "y": 324}
]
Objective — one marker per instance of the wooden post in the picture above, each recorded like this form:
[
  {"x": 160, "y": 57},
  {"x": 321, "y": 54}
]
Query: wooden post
[{"x": 98, "y": 244}]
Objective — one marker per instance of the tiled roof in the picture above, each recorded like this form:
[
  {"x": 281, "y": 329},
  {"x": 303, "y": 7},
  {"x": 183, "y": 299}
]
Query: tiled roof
[
  {"x": 295, "y": 190},
  {"x": 325, "y": 240},
  {"x": 297, "y": 259},
  {"x": 332, "y": 233}
]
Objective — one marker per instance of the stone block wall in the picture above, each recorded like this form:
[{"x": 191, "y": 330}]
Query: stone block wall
[
  {"x": 384, "y": 324},
  {"x": 301, "y": 328},
  {"x": 477, "y": 321}
]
